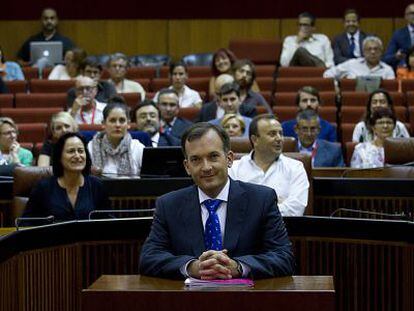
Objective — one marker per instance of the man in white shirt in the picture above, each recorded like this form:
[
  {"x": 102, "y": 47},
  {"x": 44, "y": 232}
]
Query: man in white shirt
[
  {"x": 86, "y": 109},
  {"x": 118, "y": 65},
  {"x": 307, "y": 48},
  {"x": 266, "y": 165},
  {"x": 368, "y": 66}
]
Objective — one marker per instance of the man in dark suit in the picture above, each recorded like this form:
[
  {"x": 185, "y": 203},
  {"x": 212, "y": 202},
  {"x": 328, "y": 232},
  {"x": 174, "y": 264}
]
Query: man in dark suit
[
  {"x": 169, "y": 108},
  {"x": 401, "y": 41},
  {"x": 323, "y": 153},
  {"x": 186, "y": 236},
  {"x": 212, "y": 110},
  {"x": 349, "y": 44},
  {"x": 147, "y": 118}
]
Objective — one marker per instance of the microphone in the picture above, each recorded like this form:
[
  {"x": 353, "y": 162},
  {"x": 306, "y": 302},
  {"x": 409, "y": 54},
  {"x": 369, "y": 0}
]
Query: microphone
[
  {"x": 47, "y": 219},
  {"x": 399, "y": 215},
  {"x": 125, "y": 211}
]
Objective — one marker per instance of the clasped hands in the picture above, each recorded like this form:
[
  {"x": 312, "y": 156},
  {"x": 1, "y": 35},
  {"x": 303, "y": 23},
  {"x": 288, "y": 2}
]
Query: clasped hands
[{"x": 214, "y": 265}]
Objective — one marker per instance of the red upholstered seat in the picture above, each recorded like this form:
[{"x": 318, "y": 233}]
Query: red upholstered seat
[
  {"x": 134, "y": 73},
  {"x": 32, "y": 132},
  {"x": 51, "y": 86},
  {"x": 300, "y": 72},
  {"x": 353, "y": 98},
  {"x": 294, "y": 84},
  {"x": 16, "y": 86},
  {"x": 40, "y": 100},
  {"x": 30, "y": 73},
  {"x": 188, "y": 113},
  {"x": 29, "y": 115},
  {"x": 288, "y": 99},
  {"x": 6, "y": 100},
  {"x": 259, "y": 51},
  {"x": 132, "y": 99},
  {"x": 350, "y": 84}
]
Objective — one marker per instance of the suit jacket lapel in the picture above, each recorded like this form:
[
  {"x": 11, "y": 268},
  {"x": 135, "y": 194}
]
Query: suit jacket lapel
[
  {"x": 320, "y": 153},
  {"x": 236, "y": 212},
  {"x": 191, "y": 216}
]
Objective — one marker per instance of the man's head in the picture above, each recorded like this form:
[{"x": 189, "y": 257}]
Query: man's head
[
  {"x": 49, "y": 20},
  {"x": 207, "y": 154},
  {"x": 87, "y": 88},
  {"x": 178, "y": 75},
  {"x": 351, "y": 21},
  {"x": 229, "y": 98},
  {"x": 409, "y": 14},
  {"x": 147, "y": 117},
  {"x": 91, "y": 68},
  {"x": 266, "y": 135},
  {"x": 308, "y": 98},
  {"x": 168, "y": 104},
  {"x": 372, "y": 48},
  {"x": 306, "y": 24},
  {"x": 307, "y": 127},
  {"x": 221, "y": 80},
  {"x": 118, "y": 64},
  {"x": 244, "y": 73}
]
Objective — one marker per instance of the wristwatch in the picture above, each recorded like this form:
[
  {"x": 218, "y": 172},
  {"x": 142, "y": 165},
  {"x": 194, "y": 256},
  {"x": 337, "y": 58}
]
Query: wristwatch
[{"x": 239, "y": 268}]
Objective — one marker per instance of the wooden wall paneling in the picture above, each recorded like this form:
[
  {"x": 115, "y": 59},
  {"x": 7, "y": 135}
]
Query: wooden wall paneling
[
  {"x": 382, "y": 27},
  {"x": 329, "y": 26},
  {"x": 399, "y": 22},
  {"x": 14, "y": 33}
]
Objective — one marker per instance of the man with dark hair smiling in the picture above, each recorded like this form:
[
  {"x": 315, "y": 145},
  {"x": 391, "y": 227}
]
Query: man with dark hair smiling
[{"x": 218, "y": 228}]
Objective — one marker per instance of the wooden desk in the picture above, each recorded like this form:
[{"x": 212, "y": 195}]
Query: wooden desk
[{"x": 135, "y": 292}]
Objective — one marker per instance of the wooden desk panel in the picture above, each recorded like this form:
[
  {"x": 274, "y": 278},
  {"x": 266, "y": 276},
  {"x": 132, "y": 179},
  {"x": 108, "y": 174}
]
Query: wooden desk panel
[{"x": 133, "y": 292}]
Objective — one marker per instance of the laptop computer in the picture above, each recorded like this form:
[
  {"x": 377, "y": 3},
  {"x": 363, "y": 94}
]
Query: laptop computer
[
  {"x": 163, "y": 162},
  {"x": 50, "y": 50}
]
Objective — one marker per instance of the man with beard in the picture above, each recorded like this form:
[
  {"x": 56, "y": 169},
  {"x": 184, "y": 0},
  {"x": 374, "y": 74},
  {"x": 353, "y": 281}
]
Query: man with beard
[
  {"x": 147, "y": 118},
  {"x": 266, "y": 165},
  {"x": 49, "y": 33},
  {"x": 348, "y": 44},
  {"x": 245, "y": 74}
]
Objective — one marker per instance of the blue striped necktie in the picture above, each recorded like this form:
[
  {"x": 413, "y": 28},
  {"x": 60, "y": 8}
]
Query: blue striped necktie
[{"x": 212, "y": 233}]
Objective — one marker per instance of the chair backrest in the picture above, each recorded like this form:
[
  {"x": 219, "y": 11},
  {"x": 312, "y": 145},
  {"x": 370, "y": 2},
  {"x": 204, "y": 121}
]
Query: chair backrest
[
  {"x": 29, "y": 115},
  {"x": 243, "y": 145},
  {"x": 141, "y": 73},
  {"x": 259, "y": 51},
  {"x": 25, "y": 178},
  {"x": 328, "y": 99},
  {"x": 294, "y": 84},
  {"x": 32, "y": 132},
  {"x": 6, "y": 100},
  {"x": 150, "y": 60},
  {"x": 349, "y": 151},
  {"x": 353, "y": 98},
  {"x": 51, "y": 86},
  {"x": 39, "y": 100},
  {"x": 189, "y": 113},
  {"x": 300, "y": 72},
  {"x": 350, "y": 85},
  {"x": 16, "y": 86},
  {"x": 399, "y": 150},
  {"x": 199, "y": 59}
]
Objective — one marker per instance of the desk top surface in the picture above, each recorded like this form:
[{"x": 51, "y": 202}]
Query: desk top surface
[{"x": 143, "y": 283}]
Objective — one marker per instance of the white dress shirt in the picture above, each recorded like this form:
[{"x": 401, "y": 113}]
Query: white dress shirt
[
  {"x": 358, "y": 67},
  {"x": 129, "y": 86},
  {"x": 318, "y": 45},
  {"x": 88, "y": 116},
  {"x": 286, "y": 176},
  {"x": 188, "y": 98}
]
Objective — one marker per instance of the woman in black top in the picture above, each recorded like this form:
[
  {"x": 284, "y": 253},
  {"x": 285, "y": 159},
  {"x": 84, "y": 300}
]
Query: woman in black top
[{"x": 71, "y": 193}]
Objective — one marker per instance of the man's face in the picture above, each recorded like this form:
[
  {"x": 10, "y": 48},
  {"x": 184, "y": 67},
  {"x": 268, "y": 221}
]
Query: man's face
[
  {"x": 269, "y": 139},
  {"x": 308, "y": 101},
  {"x": 118, "y": 69},
  {"x": 49, "y": 20},
  {"x": 148, "y": 120},
  {"x": 179, "y": 77},
  {"x": 307, "y": 131},
  {"x": 305, "y": 26},
  {"x": 86, "y": 87},
  {"x": 409, "y": 14},
  {"x": 168, "y": 105},
  {"x": 351, "y": 23},
  {"x": 230, "y": 103},
  {"x": 243, "y": 76},
  {"x": 92, "y": 72},
  {"x": 372, "y": 52},
  {"x": 207, "y": 163}
]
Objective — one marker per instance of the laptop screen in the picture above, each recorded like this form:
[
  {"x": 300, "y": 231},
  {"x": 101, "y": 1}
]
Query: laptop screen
[
  {"x": 163, "y": 162},
  {"x": 50, "y": 50}
]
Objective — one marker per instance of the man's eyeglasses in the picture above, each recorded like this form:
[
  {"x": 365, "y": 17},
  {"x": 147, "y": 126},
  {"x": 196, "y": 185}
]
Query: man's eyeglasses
[{"x": 9, "y": 133}]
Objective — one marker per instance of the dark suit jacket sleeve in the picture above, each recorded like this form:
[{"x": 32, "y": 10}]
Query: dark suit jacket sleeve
[
  {"x": 156, "y": 258},
  {"x": 276, "y": 257},
  {"x": 339, "y": 57}
]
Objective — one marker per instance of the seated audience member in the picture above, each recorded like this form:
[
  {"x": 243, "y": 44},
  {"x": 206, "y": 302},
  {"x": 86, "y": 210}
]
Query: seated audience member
[
  {"x": 401, "y": 41},
  {"x": 49, "y": 32},
  {"x": 113, "y": 151},
  {"x": 229, "y": 101},
  {"x": 370, "y": 154},
  {"x": 377, "y": 99},
  {"x": 92, "y": 69},
  {"x": 233, "y": 124},
  {"x": 118, "y": 65},
  {"x": 308, "y": 98},
  {"x": 168, "y": 106},
  {"x": 212, "y": 109},
  {"x": 407, "y": 72},
  {"x": 86, "y": 109},
  {"x": 71, "y": 193},
  {"x": 245, "y": 75},
  {"x": 10, "y": 151},
  {"x": 368, "y": 66},
  {"x": 61, "y": 123},
  {"x": 9, "y": 71},
  {"x": 307, "y": 48},
  {"x": 348, "y": 45},
  {"x": 248, "y": 236},
  {"x": 186, "y": 97},
  {"x": 222, "y": 63},
  {"x": 323, "y": 153},
  {"x": 71, "y": 68},
  {"x": 147, "y": 118},
  {"x": 266, "y": 165}
]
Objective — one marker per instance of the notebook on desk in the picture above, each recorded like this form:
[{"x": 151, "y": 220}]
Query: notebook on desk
[
  {"x": 161, "y": 162},
  {"x": 50, "y": 50}
]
